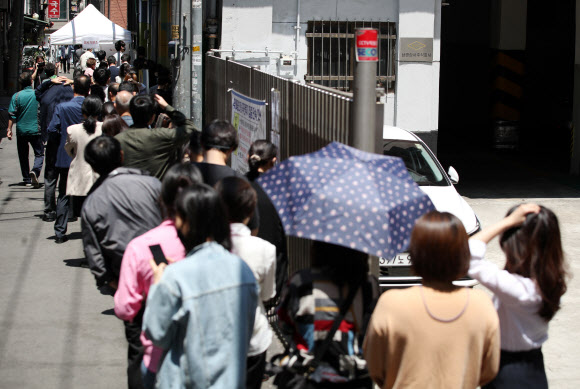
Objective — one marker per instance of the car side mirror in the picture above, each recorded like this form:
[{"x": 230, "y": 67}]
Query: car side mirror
[{"x": 453, "y": 175}]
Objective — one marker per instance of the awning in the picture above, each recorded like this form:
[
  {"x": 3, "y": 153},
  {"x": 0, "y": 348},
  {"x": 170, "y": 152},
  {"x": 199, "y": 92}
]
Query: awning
[{"x": 29, "y": 20}]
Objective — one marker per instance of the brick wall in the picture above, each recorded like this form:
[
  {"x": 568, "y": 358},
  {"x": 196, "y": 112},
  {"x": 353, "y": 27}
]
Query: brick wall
[{"x": 118, "y": 13}]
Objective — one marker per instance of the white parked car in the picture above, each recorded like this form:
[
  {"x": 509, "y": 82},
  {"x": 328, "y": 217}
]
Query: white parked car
[{"x": 427, "y": 172}]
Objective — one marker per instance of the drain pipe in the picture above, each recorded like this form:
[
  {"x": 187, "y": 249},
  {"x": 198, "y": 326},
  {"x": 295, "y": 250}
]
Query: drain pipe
[{"x": 297, "y": 28}]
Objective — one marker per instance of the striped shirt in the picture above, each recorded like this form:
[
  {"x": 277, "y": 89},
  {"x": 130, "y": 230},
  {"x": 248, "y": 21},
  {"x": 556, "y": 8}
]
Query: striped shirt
[{"x": 309, "y": 305}]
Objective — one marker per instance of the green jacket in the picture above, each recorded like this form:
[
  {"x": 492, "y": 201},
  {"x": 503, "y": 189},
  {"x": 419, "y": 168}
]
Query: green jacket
[
  {"x": 23, "y": 110},
  {"x": 155, "y": 149}
]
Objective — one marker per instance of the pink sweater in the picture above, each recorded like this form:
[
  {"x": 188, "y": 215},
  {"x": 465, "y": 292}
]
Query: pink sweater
[{"x": 136, "y": 278}]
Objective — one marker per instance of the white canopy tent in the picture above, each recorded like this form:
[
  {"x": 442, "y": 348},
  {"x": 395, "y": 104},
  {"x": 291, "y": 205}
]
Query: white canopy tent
[{"x": 90, "y": 23}]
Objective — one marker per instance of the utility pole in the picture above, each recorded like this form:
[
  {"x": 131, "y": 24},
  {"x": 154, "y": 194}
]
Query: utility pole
[
  {"x": 363, "y": 126},
  {"x": 197, "y": 64},
  {"x": 189, "y": 60},
  {"x": 14, "y": 45},
  {"x": 182, "y": 69},
  {"x": 364, "y": 104}
]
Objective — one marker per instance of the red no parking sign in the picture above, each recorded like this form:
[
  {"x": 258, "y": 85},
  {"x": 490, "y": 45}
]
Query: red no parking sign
[{"x": 367, "y": 43}]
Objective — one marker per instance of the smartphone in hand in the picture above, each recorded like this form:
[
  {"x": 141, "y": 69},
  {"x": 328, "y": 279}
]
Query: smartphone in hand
[{"x": 158, "y": 255}]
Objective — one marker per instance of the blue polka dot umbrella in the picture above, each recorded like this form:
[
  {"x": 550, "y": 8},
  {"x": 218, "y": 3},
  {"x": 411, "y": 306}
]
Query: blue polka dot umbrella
[{"x": 341, "y": 195}]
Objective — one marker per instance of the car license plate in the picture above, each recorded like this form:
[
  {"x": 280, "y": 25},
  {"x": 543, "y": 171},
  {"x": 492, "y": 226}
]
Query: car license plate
[{"x": 403, "y": 259}]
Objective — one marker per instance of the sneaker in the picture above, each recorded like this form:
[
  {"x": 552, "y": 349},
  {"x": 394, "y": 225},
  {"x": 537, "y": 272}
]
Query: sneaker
[{"x": 34, "y": 180}]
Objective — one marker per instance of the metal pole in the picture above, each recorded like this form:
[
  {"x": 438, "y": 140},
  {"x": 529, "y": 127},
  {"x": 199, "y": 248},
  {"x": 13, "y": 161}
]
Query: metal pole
[
  {"x": 363, "y": 122},
  {"x": 196, "y": 63},
  {"x": 15, "y": 44},
  {"x": 364, "y": 104},
  {"x": 182, "y": 92}
]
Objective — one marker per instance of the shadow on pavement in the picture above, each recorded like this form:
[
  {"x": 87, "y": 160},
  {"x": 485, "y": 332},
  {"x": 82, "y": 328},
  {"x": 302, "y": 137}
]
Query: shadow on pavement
[
  {"x": 109, "y": 312},
  {"x": 74, "y": 235},
  {"x": 77, "y": 262}
]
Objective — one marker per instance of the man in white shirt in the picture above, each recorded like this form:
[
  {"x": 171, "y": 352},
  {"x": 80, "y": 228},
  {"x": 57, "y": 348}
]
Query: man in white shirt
[{"x": 88, "y": 54}]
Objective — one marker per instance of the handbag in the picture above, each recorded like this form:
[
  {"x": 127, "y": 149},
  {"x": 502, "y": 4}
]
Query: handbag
[{"x": 293, "y": 369}]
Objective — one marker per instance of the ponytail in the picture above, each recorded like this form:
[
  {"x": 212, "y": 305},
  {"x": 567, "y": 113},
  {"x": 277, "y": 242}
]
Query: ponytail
[
  {"x": 90, "y": 125},
  {"x": 91, "y": 109}
]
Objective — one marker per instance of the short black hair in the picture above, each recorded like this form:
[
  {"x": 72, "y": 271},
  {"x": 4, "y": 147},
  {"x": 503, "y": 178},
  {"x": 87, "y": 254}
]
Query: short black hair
[
  {"x": 128, "y": 86},
  {"x": 111, "y": 60},
  {"x": 113, "y": 88},
  {"x": 25, "y": 79},
  {"x": 101, "y": 76},
  {"x": 50, "y": 69},
  {"x": 101, "y": 55},
  {"x": 219, "y": 134},
  {"x": 82, "y": 85},
  {"x": 103, "y": 154},
  {"x": 239, "y": 198},
  {"x": 97, "y": 91},
  {"x": 108, "y": 109},
  {"x": 119, "y": 44},
  {"x": 126, "y": 58},
  {"x": 177, "y": 177},
  {"x": 202, "y": 209},
  {"x": 142, "y": 109}
]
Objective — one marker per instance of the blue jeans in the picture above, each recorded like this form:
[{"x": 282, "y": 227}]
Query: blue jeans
[
  {"x": 35, "y": 141},
  {"x": 50, "y": 179},
  {"x": 62, "y": 205}
]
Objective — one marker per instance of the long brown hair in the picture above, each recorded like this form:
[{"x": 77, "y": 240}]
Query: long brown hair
[{"x": 534, "y": 250}]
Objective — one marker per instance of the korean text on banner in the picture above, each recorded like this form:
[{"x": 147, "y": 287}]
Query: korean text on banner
[
  {"x": 249, "y": 119},
  {"x": 54, "y": 9},
  {"x": 91, "y": 42}
]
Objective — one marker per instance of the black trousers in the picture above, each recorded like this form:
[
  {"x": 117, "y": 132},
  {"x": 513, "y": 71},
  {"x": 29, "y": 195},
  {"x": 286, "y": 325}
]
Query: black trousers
[
  {"x": 64, "y": 65},
  {"x": 255, "y": 367},
  {"x": 520, "y": 370},
  {"x": 135, "y": 351}
]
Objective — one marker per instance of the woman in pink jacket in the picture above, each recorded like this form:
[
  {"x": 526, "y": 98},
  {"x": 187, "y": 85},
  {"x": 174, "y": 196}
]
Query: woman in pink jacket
[{"x": 136, "y": 275}]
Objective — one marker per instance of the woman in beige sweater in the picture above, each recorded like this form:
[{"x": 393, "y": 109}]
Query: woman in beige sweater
[
  {"x": 435, "y": 335},
  {"x": 81, "y": 176}
]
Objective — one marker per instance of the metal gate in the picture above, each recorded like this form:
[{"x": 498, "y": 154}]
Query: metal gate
[{"x": 310, "y": 117}]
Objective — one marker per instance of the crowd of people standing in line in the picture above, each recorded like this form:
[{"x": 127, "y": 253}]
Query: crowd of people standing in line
[{"x": 194, "y": 253}]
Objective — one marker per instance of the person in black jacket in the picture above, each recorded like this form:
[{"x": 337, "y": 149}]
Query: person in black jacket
[
  {"x": 50, "y": 94},
  {"x": 262, "y": 156}
]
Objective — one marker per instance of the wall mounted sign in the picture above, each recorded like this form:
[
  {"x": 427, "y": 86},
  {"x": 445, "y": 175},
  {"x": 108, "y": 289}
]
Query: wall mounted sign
[
  {"x": 367, "y": 43},
  {"x": 249, "y": 120},
  {"x": 175, "y": 31},
  {"x": 416, "y": 50},
  {"x": 54, "y": 9}
]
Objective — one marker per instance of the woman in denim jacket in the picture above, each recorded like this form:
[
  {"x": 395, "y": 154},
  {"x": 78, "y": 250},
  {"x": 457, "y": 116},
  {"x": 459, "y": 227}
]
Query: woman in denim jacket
[{"x": 202, "y": 308}]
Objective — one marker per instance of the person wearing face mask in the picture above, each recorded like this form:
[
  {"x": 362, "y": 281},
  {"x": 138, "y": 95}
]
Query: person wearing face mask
[
  {"x": 202, "y": 309},
  {"x": 106, "y": 225}
]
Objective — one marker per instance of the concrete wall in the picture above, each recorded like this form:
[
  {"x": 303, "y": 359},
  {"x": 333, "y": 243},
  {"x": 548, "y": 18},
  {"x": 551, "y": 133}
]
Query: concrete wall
[
  {"x": 257, "y": 24},
  {"x": 417, "y": 94}
]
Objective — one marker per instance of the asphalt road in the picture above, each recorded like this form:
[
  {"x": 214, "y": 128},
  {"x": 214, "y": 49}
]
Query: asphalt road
[{"x": 58, "y": 331}]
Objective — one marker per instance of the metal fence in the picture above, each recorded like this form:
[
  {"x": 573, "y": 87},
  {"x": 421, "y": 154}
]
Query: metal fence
[{"x": 310, "y": 117}]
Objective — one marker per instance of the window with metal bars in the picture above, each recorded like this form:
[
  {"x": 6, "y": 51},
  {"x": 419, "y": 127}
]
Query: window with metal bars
[{"x": 331, "y": 53}]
